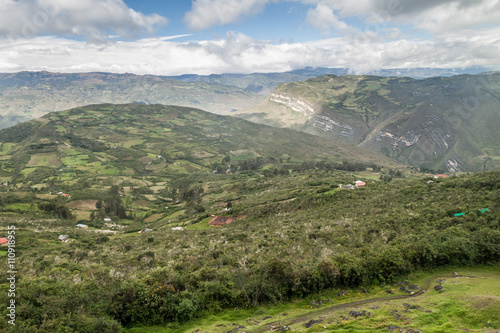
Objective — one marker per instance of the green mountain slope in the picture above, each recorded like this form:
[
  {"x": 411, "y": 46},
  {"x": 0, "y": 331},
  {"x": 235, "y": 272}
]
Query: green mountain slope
[
  {"x": 29, "y": 95},
  {"x": 295, "y": 238},
  {"x": 155, "y": 140},
  {"x": 444, "y": 123}
]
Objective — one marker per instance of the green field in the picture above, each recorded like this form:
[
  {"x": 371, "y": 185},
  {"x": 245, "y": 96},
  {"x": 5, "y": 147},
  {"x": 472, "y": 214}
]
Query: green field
[
  {"x": 44, "y": 159},
  {"x": 6, "y": 148},
  {"x": 75, "y": 160},
  {"x": 19, "y": 206}
]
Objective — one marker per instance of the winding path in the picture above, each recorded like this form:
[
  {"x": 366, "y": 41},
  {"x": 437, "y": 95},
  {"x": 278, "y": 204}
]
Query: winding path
[{"x": 307, "y": 316}]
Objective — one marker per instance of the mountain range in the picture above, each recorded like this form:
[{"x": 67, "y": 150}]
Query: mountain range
[
  {"x": 29, "y": 95},
  {"x": 448, "y": 123},
  {"x": 265, "y": 83}
]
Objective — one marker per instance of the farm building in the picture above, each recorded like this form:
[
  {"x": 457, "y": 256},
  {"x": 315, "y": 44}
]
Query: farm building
[
  {"x": 3, "y": 241},
  {"x": 441, "y": 176},
  {"x": 219, "y": 221},
  {"x": 359, "y": 183},
  {"x": 63, "y": 238},
  {"x": 81, "y": 226}
]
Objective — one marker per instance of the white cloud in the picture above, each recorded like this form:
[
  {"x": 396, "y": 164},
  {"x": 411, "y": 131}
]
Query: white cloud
[
  {"x": 345, "y": 8},
  {"x": 208, "y": 13},
  {"x": 455, "y": 17},
  {"x": 439, "y": 17},
  {"x": 323, "y": 18},
  {"x": 372, "y": 20},
  {"x": 238, "y": 53},
  {"x": 93, "y": 19}
]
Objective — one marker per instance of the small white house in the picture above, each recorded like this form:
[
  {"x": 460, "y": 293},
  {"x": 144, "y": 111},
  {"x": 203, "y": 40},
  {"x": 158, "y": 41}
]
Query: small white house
[{"x": 63, "y": 238}]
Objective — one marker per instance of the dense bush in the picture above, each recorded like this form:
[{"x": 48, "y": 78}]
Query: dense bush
[{"x": 293, "y": 242}]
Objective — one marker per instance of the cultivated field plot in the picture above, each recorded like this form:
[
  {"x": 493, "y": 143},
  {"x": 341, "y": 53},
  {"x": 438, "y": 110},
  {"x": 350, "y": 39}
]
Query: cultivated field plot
[{"x": 44, "y": 159}]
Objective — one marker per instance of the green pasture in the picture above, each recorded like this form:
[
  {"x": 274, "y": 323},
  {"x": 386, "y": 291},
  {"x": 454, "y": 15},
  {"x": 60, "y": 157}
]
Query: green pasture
[{"x": 469, "y": 302}]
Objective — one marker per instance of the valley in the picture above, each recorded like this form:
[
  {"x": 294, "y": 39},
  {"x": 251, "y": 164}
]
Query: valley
[
  {"x": 161, "y": 218},
  {"x": 249, "y": 166},
  {"x": 440, "y": 123}
]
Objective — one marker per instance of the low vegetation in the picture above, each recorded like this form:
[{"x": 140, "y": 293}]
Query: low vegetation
[
  {"x": 297, "y": 236},
  {"x": 146, "y": 255}
]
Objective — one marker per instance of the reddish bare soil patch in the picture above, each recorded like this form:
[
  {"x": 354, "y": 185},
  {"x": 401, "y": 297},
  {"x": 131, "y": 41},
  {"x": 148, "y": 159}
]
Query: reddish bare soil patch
[{"x": 220, "y": 221}]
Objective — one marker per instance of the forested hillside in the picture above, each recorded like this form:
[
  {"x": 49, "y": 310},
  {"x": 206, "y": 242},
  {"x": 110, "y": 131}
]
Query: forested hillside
[{"x": 294, "y": 235}]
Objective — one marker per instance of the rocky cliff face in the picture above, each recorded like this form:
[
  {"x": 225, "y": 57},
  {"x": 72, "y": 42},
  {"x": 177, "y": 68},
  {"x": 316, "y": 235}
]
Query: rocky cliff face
[
  {"x": 296, "y": 104},
  {"x": 442, "y": 123}
]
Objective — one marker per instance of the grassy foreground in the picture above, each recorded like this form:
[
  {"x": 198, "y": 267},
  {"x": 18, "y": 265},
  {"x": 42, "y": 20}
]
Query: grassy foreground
[{"x": 469, "y": 302}]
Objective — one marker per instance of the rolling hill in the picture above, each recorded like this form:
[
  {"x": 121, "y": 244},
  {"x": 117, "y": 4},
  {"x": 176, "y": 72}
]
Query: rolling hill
[
  {"x": 448, "y": 123},
  {"x": 152, "y": 140}
]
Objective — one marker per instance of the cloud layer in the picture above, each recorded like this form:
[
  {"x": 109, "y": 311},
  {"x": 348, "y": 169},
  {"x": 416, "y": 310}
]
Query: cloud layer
[
  {"x": 93, "y": 19},
  {"x": 331, "y": 16},
  {"x": 362, "y": 35},
  {"x": 238, "y": 53}
]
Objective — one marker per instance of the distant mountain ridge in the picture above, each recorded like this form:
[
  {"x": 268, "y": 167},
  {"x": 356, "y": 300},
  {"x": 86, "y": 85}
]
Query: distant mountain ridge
[
  {"x": 29, "y": 95},
  {"x": 265, "y": 83},
  {"x": 449, "y": 123}
]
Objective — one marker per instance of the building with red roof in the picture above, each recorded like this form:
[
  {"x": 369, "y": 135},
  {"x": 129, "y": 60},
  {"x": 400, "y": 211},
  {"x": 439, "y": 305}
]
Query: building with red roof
[{"x": 359, "y": 183}]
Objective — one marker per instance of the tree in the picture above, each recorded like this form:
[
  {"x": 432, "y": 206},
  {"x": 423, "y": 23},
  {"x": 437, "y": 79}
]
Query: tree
[{"x": 113, "y": 204}]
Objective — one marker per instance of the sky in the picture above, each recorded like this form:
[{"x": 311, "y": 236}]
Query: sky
[{"x": 246, "y": 36}]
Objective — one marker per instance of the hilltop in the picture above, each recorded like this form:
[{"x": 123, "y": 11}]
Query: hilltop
[
  {"x": 448, "y": 123},
  {"x": 156, "y": 141}
]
